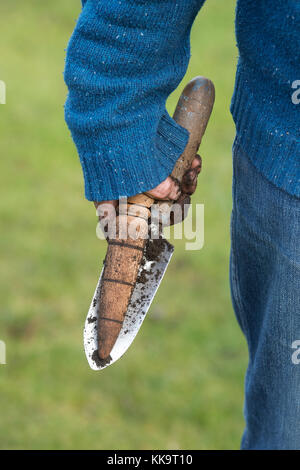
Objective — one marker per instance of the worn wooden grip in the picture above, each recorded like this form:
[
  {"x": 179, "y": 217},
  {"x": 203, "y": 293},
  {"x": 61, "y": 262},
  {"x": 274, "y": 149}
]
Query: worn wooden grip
[
  {"x": 193, "y": 112},
  {"x": 124, "y": 254},
  {"x": 122, "y": 263}
]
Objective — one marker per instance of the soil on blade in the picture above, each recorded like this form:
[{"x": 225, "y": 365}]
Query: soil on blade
[
  {"x": 100, "y": 362},
  {"x": 92, "y": 320},
  {"x": 154, "y": 249}
]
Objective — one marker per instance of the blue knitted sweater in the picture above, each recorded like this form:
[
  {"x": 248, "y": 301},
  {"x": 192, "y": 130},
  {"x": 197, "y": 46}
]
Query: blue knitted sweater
[{"x": 124, "y": 59}]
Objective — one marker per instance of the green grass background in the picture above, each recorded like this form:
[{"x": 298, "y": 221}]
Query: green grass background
[{"x": 180, "y": 386}]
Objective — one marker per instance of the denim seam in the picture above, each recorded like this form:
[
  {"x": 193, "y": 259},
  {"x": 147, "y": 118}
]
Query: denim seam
[{"x": 237, "y": 298}]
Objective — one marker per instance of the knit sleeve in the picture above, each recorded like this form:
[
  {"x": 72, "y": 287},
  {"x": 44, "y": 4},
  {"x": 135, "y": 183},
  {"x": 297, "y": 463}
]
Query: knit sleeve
[{"x": 123, "y": 60}]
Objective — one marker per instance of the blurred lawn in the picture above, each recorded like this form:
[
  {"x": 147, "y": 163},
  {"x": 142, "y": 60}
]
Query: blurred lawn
[{"x": 181, "y": 385}]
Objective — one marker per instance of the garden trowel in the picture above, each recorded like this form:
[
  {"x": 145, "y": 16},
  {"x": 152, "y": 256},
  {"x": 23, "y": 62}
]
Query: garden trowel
[{"x": 135, "y": 264}]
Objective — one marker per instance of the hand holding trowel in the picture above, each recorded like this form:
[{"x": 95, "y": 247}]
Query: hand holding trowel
[{"x": 134, "y": 266}]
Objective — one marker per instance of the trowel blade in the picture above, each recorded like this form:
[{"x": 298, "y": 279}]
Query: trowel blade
[{"x": 143, "y": 293}]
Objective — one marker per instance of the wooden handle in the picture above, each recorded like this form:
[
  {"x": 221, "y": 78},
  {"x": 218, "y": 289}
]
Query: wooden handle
[
  {"x": 124, "y": 256},
  {"x": 193, "y": 112}
]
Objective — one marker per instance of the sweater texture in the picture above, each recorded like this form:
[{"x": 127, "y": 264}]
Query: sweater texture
[{"x": 124, "y": 59}]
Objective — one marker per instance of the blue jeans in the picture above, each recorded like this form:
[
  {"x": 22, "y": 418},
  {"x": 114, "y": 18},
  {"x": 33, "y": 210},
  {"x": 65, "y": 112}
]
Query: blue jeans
[{"x": 265, "y": 289}]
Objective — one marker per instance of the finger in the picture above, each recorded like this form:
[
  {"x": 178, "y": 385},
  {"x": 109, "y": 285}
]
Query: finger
[
  {"x": 167, "y": 190},
  {"x": 197, "y": 163},
  {"x": 182, "y": 206},
  {"x": 189, "y": 181}
]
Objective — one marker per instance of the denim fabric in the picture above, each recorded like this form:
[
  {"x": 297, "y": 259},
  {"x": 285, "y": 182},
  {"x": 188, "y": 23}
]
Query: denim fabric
[{"x": 265, "y": 288}]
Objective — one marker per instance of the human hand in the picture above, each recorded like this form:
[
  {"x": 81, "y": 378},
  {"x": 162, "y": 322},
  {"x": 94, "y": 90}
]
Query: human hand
[{"x": 167, "y": 190}]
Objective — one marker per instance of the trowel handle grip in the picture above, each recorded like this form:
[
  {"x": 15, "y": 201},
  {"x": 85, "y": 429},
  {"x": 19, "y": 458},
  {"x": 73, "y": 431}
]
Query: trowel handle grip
[
  {"x": 124, "y": 254},
  {"x": 193, "y": 112}
]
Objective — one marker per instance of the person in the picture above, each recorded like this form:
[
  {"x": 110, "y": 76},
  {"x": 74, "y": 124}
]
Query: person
[{"x": 124, "y": 59}]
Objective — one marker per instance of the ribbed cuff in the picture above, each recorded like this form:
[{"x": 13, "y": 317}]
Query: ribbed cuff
[{"x": 133, "y": 167}]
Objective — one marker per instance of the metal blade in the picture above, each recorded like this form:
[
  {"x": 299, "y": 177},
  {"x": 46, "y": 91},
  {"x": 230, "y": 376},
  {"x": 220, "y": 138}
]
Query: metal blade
[{"x": 149, "y": 278}]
